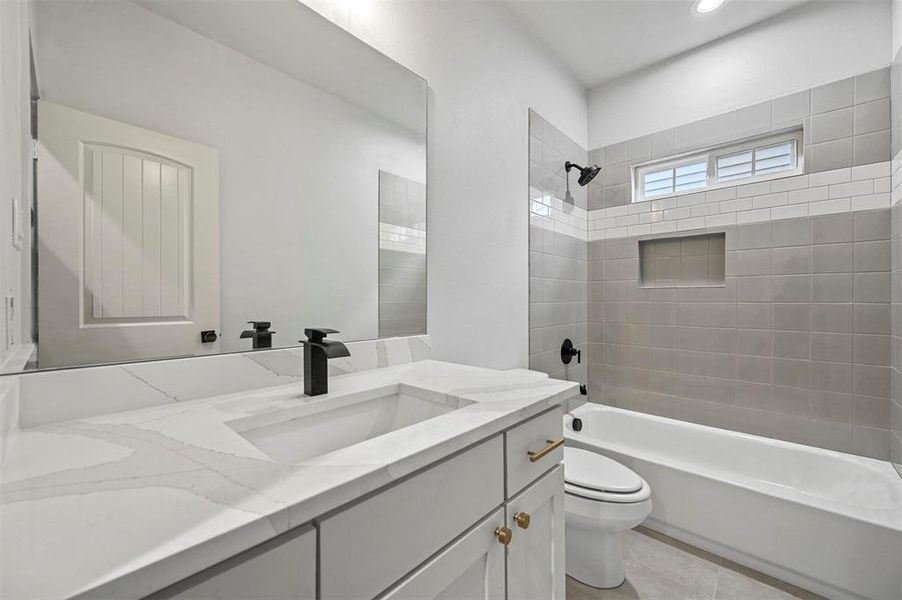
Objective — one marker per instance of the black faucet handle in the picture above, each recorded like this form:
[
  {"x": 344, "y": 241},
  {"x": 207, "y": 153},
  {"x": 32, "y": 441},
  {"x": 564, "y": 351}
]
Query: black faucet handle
[
  {"x": 568, "y": 351},
  {"x": 260, "y": 325},
  {"x": 317, "y": 334}
]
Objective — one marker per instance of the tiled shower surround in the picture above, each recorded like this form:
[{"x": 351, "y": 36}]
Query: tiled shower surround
[
  {"x": 796, "y": 343},
  {"x": 557, "y": 253},
  {"x": 896, "y": 362}
]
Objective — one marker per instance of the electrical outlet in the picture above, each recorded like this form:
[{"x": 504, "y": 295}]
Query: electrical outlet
[{"x": 9, "y": 318}]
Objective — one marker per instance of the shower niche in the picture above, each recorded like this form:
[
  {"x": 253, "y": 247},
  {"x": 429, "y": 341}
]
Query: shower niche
[{"x": 688, "y": 261}]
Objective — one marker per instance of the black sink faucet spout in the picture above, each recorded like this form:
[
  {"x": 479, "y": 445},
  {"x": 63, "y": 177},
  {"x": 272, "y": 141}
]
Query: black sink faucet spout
[
  {"x": 317, "y": 352},
  {"x": 261, "y": 336}
]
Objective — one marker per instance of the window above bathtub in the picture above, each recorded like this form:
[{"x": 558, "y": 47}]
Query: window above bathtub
[{"x": 756, "y": 159}]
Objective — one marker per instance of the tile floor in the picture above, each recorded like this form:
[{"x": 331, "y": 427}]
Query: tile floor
[{"x": 661, "y": 568}]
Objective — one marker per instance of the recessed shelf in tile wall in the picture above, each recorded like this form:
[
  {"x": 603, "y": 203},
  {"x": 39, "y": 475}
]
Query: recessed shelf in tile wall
[{"x": 688, "y": 261}]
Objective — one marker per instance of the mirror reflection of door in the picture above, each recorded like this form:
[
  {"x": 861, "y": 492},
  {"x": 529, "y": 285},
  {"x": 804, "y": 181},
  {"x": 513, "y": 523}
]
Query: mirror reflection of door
[
  {"x": 402, "y": 256},
  {"x": 283, "y": 193},
  {"x": 128, "y": 241}
]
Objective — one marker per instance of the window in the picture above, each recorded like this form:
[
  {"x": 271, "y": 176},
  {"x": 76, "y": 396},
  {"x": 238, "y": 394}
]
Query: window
[
  {"x": 754, "y": 160},
  {"x": 675, "y": 179}
]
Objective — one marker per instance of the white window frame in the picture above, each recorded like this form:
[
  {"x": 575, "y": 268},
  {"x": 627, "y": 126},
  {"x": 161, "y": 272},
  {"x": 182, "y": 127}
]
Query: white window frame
[{"x": 710, "y": 156}]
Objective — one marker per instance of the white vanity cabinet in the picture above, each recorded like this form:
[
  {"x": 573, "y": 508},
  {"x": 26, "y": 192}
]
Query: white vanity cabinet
[
  {"x": 471, "y": 567},
  {"x": 366, "y": 548},
  {"x": 518, "y": 551},
  {"x": 477, "y": 565},
  {"x": 535, "y": 556},
  {"x": 283, "y": 568},
  {"x": 486, "y": 523}
]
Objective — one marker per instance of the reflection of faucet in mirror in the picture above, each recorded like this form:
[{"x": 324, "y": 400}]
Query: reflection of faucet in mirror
[
  {"x": 317, "y": 351},
  {"x": 261, "y": 336}
]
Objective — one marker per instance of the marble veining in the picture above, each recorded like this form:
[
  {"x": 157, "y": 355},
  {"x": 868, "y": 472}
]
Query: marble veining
[
  {"x": 53, "y": 396},
  {"x": 118, "y": 505}
]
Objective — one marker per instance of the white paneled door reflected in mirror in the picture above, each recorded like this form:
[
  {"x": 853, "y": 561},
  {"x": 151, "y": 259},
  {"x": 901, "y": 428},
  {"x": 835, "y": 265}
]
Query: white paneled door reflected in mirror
[{"x": 192, "y": 174}]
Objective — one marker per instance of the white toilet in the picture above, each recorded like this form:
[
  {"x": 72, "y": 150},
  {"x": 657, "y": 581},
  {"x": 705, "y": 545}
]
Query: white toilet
[{"x": 603, "y": 498}]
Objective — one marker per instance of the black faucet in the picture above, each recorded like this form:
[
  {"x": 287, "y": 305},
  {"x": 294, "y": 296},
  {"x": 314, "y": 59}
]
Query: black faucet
[
  {"x": 317, "y": 351},
  {"x": 568, "y": 351},
  {"x": 261, "y": 336}
]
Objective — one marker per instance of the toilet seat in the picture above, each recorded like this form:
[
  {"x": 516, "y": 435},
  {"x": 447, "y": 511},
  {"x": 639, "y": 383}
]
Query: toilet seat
[
  {"x": 596, "y": 477},
  {"x": 642, "y": 494}
]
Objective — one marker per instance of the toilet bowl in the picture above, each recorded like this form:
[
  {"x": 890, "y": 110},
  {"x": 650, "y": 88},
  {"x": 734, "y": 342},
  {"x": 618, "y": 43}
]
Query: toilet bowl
[{"x": 603, "y": 498}]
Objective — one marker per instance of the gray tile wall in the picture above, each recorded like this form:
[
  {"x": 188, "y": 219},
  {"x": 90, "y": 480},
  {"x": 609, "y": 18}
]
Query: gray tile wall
[
  {"x": 557, "y": 261},
  {"x": 896, "y": 404},
  {"x": 794, "y": 346},
  {"x": 402, "y": 256},
  {"x": 689, "y": 261},
  {"x": 845, "y": 123},
  {"x": 549, "y": 149}
]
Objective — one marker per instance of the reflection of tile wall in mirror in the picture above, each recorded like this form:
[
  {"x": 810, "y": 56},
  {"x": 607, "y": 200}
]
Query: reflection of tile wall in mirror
[{"x": 402, "y": 256}]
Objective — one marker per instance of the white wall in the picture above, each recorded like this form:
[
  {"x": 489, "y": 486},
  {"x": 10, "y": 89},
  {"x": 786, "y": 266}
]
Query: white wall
[
  {"x": 816, "y": 44},
  {"x": 484, "y": 73},
  {"x": 299, "y": 167},
  {"x": 897, "y": 27},
  {"x": 15, "y": 171}
]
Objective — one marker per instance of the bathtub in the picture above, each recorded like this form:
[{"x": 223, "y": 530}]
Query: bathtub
[{"x": 825, "y": 521}]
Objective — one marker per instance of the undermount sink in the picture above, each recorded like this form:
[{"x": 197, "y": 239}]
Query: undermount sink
[{"x": 334, "y": 423}]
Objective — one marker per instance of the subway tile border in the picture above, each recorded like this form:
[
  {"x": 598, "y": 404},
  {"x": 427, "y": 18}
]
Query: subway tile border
[{"x": 848, "y": 189}]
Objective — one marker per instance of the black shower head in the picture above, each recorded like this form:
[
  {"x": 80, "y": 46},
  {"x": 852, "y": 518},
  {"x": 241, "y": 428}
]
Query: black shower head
[{"x": 586, "y": 174}]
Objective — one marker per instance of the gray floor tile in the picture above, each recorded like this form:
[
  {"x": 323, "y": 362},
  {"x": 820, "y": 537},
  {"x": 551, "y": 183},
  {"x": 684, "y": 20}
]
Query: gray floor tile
[
  {"x": 735, "y": 582},
  {"x": 661, "y": 568}
]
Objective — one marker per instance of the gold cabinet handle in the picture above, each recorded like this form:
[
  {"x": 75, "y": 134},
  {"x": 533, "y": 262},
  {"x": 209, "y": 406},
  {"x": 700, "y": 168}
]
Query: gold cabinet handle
[
  {"x": 504, "y": 535},
  {"x": 551, "y": 447},
  {"x": 522, "y": 520}
]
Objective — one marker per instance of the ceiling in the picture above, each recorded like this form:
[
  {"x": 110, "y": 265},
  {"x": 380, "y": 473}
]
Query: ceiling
[
  {"x": 601, "y": 40},
  {"x": 292, "y": 38}
]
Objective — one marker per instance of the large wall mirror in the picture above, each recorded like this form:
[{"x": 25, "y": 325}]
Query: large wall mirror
[{"x": 203, "y": 165}]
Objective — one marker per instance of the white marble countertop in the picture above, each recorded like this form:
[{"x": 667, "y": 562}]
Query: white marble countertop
[{"x": 120, "y": 505}]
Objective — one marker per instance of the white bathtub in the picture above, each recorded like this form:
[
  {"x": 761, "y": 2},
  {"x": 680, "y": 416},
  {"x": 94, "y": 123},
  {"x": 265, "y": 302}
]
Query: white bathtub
[{"x": 825, "y": 521}]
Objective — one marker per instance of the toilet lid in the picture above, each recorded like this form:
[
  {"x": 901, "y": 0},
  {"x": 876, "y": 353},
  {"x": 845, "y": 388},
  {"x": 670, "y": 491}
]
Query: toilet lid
[{"x": 596, "y": 472}]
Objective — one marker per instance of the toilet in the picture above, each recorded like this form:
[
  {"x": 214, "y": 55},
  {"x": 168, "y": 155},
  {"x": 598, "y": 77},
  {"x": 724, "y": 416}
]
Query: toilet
[{"x": 603, "y": 498}]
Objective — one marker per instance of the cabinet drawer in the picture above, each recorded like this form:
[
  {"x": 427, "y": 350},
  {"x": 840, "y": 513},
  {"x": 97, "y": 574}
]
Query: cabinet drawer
[
  {"x": 371, "y": 545},
  {"x": 472, "y": 568},
  {"x": 534, "y": 436},
  {"x": 281, "y": 569}
]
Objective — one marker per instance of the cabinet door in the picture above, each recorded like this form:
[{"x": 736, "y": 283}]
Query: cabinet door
[
  {"x": 471, "y": 568},
  {"x": 368, "y": 547},
  {"x": 281, "y": 569},
  {"x": 535, "y": 556}
]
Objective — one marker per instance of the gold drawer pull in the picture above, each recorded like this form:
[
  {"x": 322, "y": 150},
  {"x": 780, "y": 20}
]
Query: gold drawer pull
[
  {"x": 522, "y": 520},
  {"x": 504, "y": 535},
  {"x": 551, "y": 447}
]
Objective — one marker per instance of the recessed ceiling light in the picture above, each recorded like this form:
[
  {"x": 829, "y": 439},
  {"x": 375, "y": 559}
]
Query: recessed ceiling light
[{"x": 706, "y": 6}]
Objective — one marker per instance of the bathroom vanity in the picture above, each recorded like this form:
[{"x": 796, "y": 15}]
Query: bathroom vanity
[
  {"x": 421, "y": 480},
  {"x": 461, "y": 512}
]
